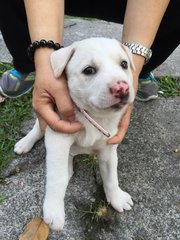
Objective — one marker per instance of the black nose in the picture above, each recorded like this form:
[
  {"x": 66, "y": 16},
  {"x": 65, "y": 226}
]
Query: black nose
[{"x": 123, "y": 96}]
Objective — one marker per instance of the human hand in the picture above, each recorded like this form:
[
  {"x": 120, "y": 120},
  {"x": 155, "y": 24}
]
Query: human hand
[
  {"x": 122, "y": 128},
  {"x": 51, "y": 100}
]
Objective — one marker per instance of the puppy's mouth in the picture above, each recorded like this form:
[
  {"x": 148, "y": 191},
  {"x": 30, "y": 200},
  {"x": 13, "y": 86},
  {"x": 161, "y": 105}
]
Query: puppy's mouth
[
  {"x": 114, "y": 107},
  {"x": 123, "y": 100},
  {"x": 106, "y": 104},
  {"x": 118, "y": 105}
]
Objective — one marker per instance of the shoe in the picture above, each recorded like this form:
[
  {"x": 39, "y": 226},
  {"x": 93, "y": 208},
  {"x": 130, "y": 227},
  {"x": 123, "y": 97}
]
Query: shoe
[
  {"x": 14, "y": 83},
  {"x": 147, "y": 89}
]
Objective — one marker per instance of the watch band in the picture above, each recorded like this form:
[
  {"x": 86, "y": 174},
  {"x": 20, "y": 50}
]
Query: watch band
[{"x": 139, "y": 50}]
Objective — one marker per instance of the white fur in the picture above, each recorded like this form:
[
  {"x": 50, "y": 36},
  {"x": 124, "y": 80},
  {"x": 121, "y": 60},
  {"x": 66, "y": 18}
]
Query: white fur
[{"x": 90, "y": 92}]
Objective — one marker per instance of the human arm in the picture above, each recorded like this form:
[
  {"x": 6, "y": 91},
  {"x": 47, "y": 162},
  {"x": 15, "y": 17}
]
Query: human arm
[
  {"x": 46, "y": 21},
  {"x": 141, "y": 23}
]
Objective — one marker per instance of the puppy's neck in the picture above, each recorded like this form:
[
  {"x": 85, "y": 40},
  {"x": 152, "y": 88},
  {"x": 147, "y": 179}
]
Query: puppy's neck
[
  {"x": 94, "y": 123},
  {"x": 105, "y": 123}
]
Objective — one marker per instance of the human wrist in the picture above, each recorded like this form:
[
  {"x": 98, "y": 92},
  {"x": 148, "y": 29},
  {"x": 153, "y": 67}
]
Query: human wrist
[
  {"x": 139, "y": 63},
  {"x": 140, "y": 50},
  {"x": 35, "y": 45},
  {"x": 42, "y": 63},
  {"x": 42, "y": 55}
]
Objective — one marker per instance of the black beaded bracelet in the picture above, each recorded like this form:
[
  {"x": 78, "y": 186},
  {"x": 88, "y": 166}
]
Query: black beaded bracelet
[{"x": 42, "y": 43}]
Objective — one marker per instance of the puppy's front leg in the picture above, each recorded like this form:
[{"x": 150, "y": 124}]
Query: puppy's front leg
[
  {"x": 57, "y": 147},
  {"x": 108, "y": 162},
  {"x": 26, "y": 143}
]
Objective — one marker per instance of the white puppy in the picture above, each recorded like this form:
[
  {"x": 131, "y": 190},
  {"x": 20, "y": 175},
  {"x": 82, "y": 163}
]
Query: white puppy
[{"x": 99, "y": 76}]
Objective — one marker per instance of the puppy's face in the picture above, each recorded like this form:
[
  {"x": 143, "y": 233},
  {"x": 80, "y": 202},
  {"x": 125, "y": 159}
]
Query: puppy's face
[{"x": 99, "y": 73}]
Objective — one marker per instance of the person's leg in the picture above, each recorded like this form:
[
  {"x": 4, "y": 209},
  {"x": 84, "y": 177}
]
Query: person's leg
[
  {"x": 14, "y": 28},
  {"x": 112, "y": 11}
]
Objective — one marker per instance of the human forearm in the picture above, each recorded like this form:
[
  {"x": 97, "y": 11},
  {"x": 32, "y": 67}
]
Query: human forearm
[
  {"x": 45, "y": 19},
  {"x": 142, "y": 20}
]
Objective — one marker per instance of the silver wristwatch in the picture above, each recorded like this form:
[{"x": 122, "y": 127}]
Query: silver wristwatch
[{"x": 139, "y": 50}]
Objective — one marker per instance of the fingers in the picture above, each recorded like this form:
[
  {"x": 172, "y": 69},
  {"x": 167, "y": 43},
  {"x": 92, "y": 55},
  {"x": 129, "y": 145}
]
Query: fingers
[
  {"x": 123, "y": 127},
  {"x": 53, "y": 120},
  {"x": 63, "y": 100},
  {"x": 44, "y": 106}
]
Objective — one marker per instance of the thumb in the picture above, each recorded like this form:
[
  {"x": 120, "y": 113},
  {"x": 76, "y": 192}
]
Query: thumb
[{"x": 123, "y": 127}]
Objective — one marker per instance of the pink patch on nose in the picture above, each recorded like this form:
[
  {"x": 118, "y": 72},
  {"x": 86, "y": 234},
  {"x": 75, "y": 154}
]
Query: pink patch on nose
[{"x": 120, "y": 87}]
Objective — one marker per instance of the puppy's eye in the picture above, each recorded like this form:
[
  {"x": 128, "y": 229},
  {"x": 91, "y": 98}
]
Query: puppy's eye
[
  {"x": 89, "y": 70},
  {"x": 124, "y": 64}
]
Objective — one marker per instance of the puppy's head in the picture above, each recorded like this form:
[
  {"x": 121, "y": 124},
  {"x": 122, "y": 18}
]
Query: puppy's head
[{"x": 99, "y": 73}]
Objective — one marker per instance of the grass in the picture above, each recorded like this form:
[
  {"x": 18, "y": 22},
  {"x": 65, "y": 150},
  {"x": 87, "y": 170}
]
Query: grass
[
  {"x": 14, "y": 111},
  {"x": 169, "y": 87},
  {"x": 99, "y": 214},
  {"x": 98, "y": 211},
  {"x": 3, "y": 198}
]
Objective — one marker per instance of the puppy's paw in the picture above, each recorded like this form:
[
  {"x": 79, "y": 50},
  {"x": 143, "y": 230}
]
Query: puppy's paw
[
  {"x": 54, "y": 215},
  {"x": 24, "y": 145},
  {"x": 120, "y": 200}
]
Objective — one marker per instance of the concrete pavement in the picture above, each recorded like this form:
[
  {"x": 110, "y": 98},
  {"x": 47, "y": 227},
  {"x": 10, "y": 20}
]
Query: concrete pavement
[{"x": 148, "y": 169}]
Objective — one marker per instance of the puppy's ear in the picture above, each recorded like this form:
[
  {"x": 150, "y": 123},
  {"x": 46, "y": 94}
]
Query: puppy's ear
[
  {"x": 130, "y": 56},
  {"x": 60, "y": 58}
]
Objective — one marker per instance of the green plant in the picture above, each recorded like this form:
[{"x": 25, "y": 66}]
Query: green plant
[
  {"x": 12, "y": 113},
  {"x": 98, "y": 211},
  {"x": 169, "y": 86},
  {"x": 3, "y": 198}
]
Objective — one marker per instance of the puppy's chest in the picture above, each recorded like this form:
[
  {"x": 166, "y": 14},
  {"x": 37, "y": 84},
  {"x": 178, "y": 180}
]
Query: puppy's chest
[{"x": 90, "y": 138}]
